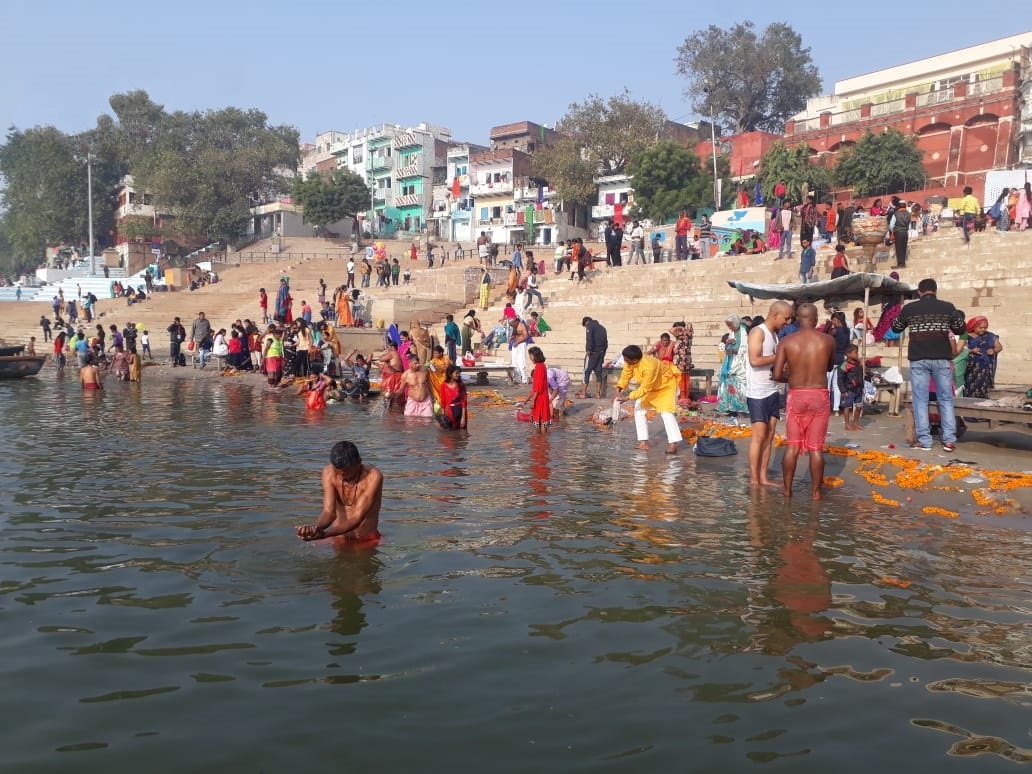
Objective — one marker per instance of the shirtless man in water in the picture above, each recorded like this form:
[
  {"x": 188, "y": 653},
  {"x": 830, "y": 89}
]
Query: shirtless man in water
[
  {"x": 391, "y": 368},
  {"x": 807, "y": 355},
  {"x": 419, "y": 403},
  {"x": 352, "y": 493},
  {"x": 89, "y": 374}
]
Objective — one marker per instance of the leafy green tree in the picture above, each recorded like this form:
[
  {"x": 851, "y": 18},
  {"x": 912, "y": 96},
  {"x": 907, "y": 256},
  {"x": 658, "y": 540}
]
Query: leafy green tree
[
  {"x": 9, "y": 262},
  {"x": 45, "y": 191},
  {"x": 326, "y": 200},
  {"x": 668, "y": 178},
  {"x": 567, "y": 169},
  {"x": 207, "y": 169},
  {"x": 881, "y": 163},
  {"x": 598, "y": 137},
  {"x": 748, "y": 82},
  {"x": 796, "y": 168}
]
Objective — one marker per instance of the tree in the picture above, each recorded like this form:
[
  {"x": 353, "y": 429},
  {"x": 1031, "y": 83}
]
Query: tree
[
  {"x": 206, "y": 169},
  {"x": 796, "y": 168},
  {"x": 667, "y": 179},
  {"x": 882, "y": 163},
  {"x": 748, "y": 82},
  {"x": 599, "y": 137},
  {"x": 45, "y": 191},
  {"x": 328, "y": 199},
  {"x": 567, "y": 170}
]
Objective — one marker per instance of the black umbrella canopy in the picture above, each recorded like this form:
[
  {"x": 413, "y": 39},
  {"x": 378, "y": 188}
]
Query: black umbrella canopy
[{"x": 859, "y": 286}]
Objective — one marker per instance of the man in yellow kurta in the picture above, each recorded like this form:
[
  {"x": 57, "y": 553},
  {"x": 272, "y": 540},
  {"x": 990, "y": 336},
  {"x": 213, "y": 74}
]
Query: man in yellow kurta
[{"x": 657, "y": 388}]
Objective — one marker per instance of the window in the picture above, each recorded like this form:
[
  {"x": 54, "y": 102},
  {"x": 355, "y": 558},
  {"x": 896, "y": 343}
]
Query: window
[
  {"x": 356, "y": 154},
  {"x": 496, "y": 212}
]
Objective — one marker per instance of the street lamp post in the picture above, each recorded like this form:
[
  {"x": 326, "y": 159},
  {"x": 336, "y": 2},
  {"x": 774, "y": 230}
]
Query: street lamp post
[
  {"x": 713, "y": 148},
  {"x": 89, "y": 205}
]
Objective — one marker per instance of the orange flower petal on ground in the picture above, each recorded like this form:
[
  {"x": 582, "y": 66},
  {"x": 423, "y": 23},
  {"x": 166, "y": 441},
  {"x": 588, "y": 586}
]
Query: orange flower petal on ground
[
  {"x": 903, "y": 584},
  {"x": 932, "y": 510},
  {"x": 884, "y": 500}
]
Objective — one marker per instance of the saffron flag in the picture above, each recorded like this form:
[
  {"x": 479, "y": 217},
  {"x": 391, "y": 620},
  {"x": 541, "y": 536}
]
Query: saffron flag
[{"x": 456, "y": 188}]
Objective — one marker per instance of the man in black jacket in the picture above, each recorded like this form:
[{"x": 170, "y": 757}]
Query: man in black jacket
[
  {"x": 596, "y": 342},
  {"x": 931, "y": 356},
  {"x": 176, "y": 336},
  {"x": 900, "y": 219}
]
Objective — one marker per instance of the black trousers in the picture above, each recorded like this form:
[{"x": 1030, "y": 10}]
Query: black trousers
[{"x": 902, "y": 238}]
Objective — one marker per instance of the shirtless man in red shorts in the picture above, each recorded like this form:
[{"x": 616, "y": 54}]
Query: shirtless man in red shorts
[
  {"x": 352, "y": 493},
  {"x": 807, "y": 355}
]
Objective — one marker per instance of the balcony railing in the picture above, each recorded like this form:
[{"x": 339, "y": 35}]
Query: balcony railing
[
  {"x": 531, "y": 194},
  {"x": 939, "y": 97},
  {"x": 484, "y": 189},
  {"x": 845, "y": 117},
  {"x": 406, "y": 200},
  {"x": 885, "y": 108},
  {"x": 599, "y": 211},
  {"x": 942, "y": 97},
  {"x": 406, "y": 140},
  {"x": 412, "y": 170},
  {"x": 378, "y": 162}
]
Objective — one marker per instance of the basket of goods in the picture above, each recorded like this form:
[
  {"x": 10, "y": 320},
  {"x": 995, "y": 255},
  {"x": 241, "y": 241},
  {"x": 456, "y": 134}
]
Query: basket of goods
[{"x": 869, "y": 230}]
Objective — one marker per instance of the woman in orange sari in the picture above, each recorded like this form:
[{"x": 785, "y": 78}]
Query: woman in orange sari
[
  {"x": 514, "y": 281},
  {"x": 343, "y": 303}
]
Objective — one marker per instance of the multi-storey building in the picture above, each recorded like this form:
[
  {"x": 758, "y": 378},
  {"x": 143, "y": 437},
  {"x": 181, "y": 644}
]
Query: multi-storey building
[
  {"x": 397, "y": 164},
  {"x": 452, "y": 210},
  {"x": 963, "y": 106}
]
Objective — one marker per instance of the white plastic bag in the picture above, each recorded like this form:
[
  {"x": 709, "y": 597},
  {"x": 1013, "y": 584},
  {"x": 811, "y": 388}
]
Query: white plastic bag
[{"x": 893, "y": 376}]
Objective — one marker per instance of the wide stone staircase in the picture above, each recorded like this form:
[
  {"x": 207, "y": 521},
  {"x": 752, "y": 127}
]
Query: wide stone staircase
[{"x": 992, "y": 277}]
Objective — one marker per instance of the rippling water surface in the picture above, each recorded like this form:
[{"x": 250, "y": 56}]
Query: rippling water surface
[{"x": 559, "y": 603}]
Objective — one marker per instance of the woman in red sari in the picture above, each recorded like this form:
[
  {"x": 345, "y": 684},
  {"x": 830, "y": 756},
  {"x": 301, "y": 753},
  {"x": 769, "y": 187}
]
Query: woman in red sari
[
  {"x": 541, "y": 407},
  {"x": 453, "y": 400}
]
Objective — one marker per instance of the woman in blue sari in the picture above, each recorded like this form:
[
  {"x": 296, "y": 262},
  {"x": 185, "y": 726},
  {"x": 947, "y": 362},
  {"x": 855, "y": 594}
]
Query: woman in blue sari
[
  {"x": 731, "y": 387},
  {"x": 983, "y": 346}
]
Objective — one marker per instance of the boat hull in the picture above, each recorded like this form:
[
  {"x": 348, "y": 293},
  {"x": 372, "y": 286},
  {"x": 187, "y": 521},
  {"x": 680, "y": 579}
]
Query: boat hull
[{"x": 19, "y": 366}]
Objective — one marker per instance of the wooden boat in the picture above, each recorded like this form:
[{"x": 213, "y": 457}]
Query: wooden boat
[{"x": 14, "y": 364}]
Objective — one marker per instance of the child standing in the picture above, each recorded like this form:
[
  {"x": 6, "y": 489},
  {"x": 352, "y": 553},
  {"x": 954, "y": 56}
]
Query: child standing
[
  {"x": 145, "y": 343},
  {"x": 851, "y": 385},
  {"x": 541, "y": 405}
]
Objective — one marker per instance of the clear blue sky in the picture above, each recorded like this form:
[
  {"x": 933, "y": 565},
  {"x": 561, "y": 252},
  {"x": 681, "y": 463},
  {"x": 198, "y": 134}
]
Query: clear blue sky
[{"x": 467, "y": 66}]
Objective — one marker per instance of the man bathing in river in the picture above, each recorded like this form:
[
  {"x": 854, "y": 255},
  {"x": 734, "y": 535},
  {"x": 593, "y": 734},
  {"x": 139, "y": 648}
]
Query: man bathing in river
[
  {"x": 807, "y": 355},
  {"x": 418, "y": 402},
  {"x": 89, "y": 374},
  {"x": 352, "y": 493}
]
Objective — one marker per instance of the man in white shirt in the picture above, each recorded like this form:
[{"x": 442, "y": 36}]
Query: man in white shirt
[
  {"x": 761, "y": 391},
  {"x": 637, "y": 244},
  {"x": 532, "y": 290},
  {"x": 785, "y": 214},
  {"x": 351, "y": 273}
]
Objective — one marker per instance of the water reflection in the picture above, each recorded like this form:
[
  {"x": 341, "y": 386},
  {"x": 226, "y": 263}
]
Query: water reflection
[{"x": 531, "y": 588}]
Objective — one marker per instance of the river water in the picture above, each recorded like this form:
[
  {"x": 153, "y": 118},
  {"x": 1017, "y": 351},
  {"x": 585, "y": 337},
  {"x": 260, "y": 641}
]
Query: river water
[{"x": 555, "y": 603}]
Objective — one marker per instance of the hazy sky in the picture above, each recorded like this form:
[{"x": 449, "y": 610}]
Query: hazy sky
[{"x": 467, "y": 66}]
